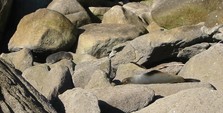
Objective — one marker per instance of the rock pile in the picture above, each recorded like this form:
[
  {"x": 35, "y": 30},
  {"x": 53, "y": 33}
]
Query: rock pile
[{"x": 70, "y": 56}]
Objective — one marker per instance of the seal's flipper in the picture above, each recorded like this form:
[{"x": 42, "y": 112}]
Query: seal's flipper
[{"x": 191, "y": 80}]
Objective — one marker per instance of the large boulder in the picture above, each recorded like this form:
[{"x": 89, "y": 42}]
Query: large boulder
[
  {"x": 5, "y": 7},
  {"x": 78, "y": 100},
  {"x": 17, "y": 95},
  {"x": 206, "y": 66},
  {"x": 43, "y": 31},
  {"x": 123, "y": 98},
  {"x": 98, "y": 39},
  {"x": 19, "y": 9},
  {"x": 174, "y": 13},
  {"x": 157, "y": 46},
  {"x": 197, "y": 100},
  {"x": 58, "y": 75},
  {"x": 72, "y": 10}
]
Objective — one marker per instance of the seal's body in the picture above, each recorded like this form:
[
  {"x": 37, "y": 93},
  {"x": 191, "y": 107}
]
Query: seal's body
[
  {"x": 58, "y": 56},
  {"x": 153, "y": 77}
]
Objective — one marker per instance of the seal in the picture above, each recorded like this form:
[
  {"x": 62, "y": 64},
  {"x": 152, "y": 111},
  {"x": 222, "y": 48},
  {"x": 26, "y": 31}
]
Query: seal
[
  {"x": 153, "y": 77},
  {"x": 55, "y": 57}
]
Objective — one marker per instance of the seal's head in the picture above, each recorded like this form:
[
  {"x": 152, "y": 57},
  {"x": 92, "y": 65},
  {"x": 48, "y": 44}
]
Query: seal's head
[{"x": 127, "y": 80}]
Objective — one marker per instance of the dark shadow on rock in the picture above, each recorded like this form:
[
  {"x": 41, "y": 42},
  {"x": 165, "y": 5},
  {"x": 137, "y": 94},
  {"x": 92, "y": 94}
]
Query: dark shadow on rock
[
  {"x": 39, "y": 57},
  {"x": 94, "y": 19},
  {"x": 58, "y": 105},
  {"x": 156, "y": 97},
  {"x": 68, "y": 83},
  {"x": 149, "y": 64},
  {"x": 79, "y": 32},
  {"x": 106, "y": 108},
  {"x": 213, "y": 87}
]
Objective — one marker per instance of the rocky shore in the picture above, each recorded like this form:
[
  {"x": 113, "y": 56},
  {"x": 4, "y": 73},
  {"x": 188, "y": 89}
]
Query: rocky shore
[{"x": 71, "y": 56}]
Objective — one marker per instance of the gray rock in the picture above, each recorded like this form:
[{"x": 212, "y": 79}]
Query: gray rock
[
  {"x": 119, "y": 15},
  {"x": 215, "y": 32},
  {"x": 123, "y": 98},
  {"x": 99, "y": 11},
  {"x": 78, "y": 100},
  {"x": 42, "y": 31},
  {"x": 212, "y": 31},
  {"x": 5, "y": 7},
  {"x": 189, "y": 52},
  {"x": 206, "y": 66},
  {"x": 157, "y": 46},
  {"x": 99, "y": 79},
  {"x": 137, "y": 7},
  {"x": 58, "y": 75},
  {"x": 67, "y": 63},
  {"x": 21, "y": 60},
  {"x": 164, "y": 90},
  {"x": 141, "y": 10},
  {"x": 17, "y": 95},
  {"x": 98, "y": 39},
  {"x": 85, "y": 70},
  {"x": 72, "y": 10},
  {"x": 79, "y": 58},
  {"x": 197, "y": 100},
  {"x": 219, "y": 34},
  {"x": 171, "y": 67}
]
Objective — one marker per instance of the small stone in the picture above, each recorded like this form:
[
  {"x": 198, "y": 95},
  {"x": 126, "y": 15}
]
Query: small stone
[
  {"x": 78, "y": 100},
  {"x": 99, "y": 79}
]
